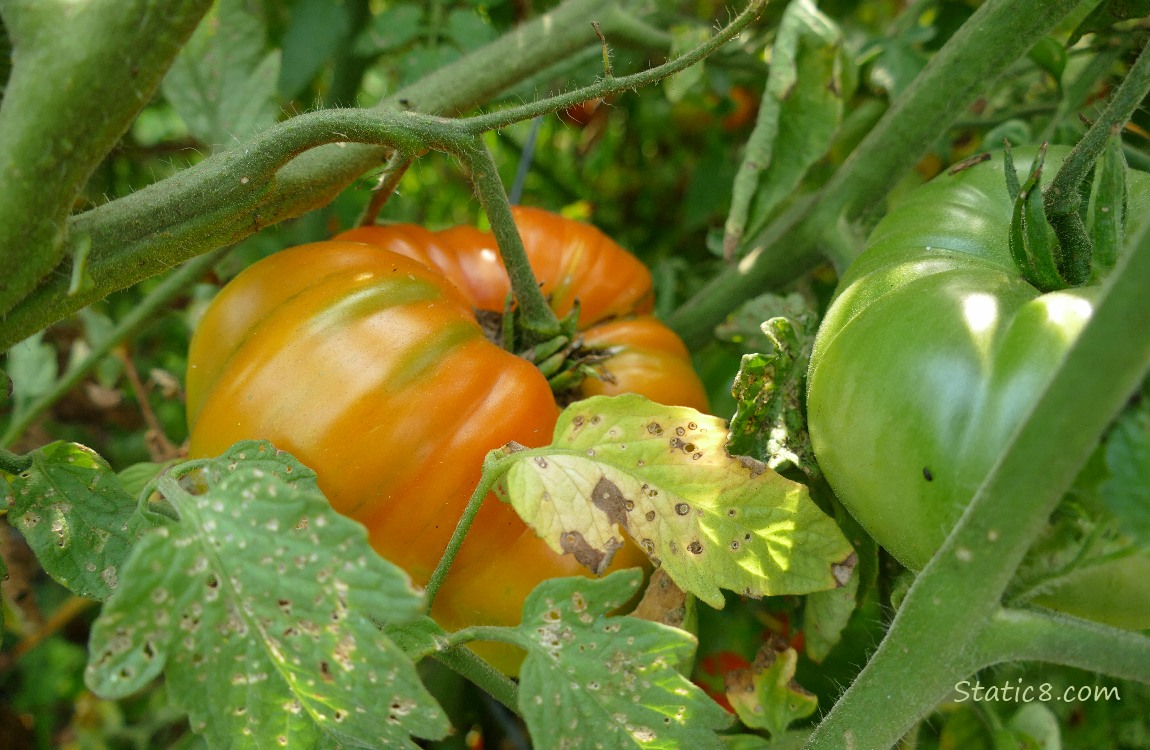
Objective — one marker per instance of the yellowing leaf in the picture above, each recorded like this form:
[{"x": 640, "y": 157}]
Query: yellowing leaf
[{"x": 662, "y": 475}]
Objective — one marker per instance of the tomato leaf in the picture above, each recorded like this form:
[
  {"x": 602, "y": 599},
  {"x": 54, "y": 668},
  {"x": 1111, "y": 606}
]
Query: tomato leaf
[
  {"x": 826, "y": 615},
  {"x": 766, "y": 695},
  {"x": 32, "y": 368},
  {"x": 316, "y": 31},
  {"x": 1127, "y": 491},
  {"x": 592, "y": 681},
  {"x": 138, "y": 476},
  {"x": 389, "y": 30},
  {"x": 663, "y": 475},
  {"x": 255, "y": 604},
  {"x": 798, "y": 118},
  {"x": 222, "y": 83},
  {"x": 1037, "y": 723},
  {"x": 769, "y": 423},
  {"x": 468, "y": 31},
  {"x": 1049, "y": 54},
  {"x": 76, "y": 516},
  {"x": 1109, "y": 224},
  {"x": 790, "y": 741}
]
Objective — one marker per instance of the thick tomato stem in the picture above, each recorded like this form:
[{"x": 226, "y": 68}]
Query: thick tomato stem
[
  {"x": 536, "y": 318},
  {"x": 14, "y": 463}
]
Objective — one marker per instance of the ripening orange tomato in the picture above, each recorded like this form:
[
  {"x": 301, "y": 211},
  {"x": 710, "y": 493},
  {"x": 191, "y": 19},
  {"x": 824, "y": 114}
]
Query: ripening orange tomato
[{"x": 363, "y": 357}]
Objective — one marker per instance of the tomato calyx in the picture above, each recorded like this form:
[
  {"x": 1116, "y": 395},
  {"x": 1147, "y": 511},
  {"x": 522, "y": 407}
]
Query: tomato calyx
[
  {"x": 1052, "y": 247},
  {"x": 566, "y": 360},
  {"x": 1031, "y": 245}
]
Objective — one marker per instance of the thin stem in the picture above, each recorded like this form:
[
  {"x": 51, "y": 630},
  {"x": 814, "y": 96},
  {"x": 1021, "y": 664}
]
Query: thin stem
[
  {"x": 615, "y": 84},
  {"x": 1062, "y": 196},
  {"x": 526, "y": 157},
  {"x": 160, "y": 448},
  {"x": 491, "y": 474},
  {"x": 464, "y": 662},
  {"x": 72, "y": 608},
  {"x": 1029, "y": 635},
  {"x": 999, "y": 32},
  {"x": 1008, "y": 512},
  {"x": 142, "y": 313},
  {"x": 607, "y": 72},
  {"x": 392, "y": 175}
]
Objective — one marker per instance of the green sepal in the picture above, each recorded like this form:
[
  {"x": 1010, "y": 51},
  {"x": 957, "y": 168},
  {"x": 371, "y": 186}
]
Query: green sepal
[
  {"x": 550, "y": 355},
  {"x": 1110, "y": 204},
  {"x": 1031, "y": 244}
]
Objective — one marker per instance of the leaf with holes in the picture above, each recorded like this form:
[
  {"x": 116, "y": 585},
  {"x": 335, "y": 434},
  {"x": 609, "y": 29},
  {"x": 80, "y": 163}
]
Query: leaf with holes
[
  {"x": 201, "y": 474},
  {"x": 593, "y": 681},
  {"x": 663, "y": 475},
  {"x": 76, "y": 516},
  {"x": 1126, "y": 491},
  {"x": 766, "y": 695},
  {"x": 256, "y": 605},
  {"x": 223, "y": 84},
  {"x": 769, "y": 424},
  {"x": 809, "y": 83}
]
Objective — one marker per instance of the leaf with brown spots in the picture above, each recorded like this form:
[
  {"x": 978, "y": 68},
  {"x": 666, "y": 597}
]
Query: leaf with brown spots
[
  {"x": 769, "y": 423},
  {"x": 256, "y": 604},
  {"x": 77, "y": 516},
  {"x": 592, "y": 681},
  {"x": 625, "y": 466}
]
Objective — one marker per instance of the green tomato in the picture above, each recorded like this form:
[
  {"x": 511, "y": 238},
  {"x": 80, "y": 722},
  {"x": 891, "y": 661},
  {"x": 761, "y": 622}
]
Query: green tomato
[{"x": 929, "y": 357}]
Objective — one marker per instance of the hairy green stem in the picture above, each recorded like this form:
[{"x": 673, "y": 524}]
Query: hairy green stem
[
  {"x": 491, "y": 473},
  {"x": 80, "y": 74},
  {"x": 392, "y": 175},
  {"x": 1008, "y": 512},
  {"x": 464, "y": 662},
  {"x": 14, "y": 463},
  {"x": 238, "y": 192},
  {"x": 999, "y": 32},
  {"x": 537, "y": 318},
  {"x": 144, "y": 312},
  {"x": 1061, "y": 195},
  {"x": 1065, "y": 195},
  {"x": 1030, "y": 635}
]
